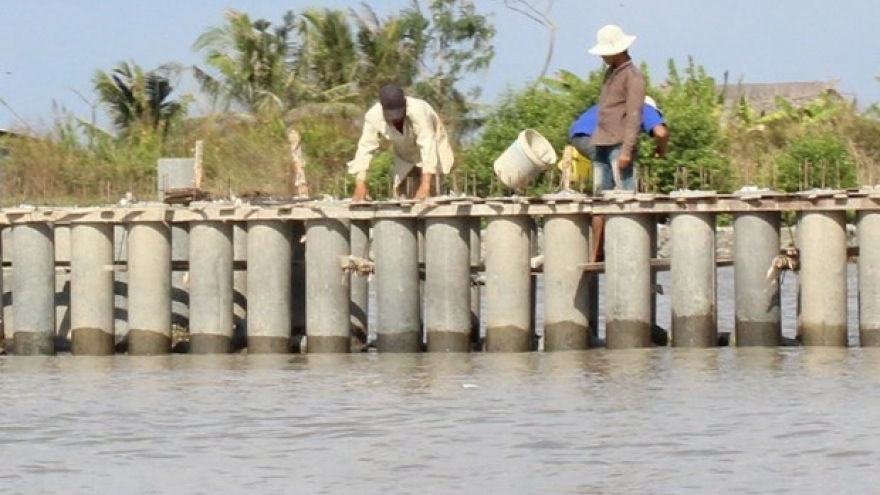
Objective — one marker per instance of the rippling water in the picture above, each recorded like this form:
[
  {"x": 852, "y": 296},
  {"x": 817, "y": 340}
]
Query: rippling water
[
  {"x": 650, "y": 421},
  {"x": 726, "y": 420}
]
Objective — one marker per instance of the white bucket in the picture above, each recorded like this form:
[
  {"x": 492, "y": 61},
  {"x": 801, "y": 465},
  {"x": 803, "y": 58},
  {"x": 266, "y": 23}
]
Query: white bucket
[{"x": 525, "y": 159}]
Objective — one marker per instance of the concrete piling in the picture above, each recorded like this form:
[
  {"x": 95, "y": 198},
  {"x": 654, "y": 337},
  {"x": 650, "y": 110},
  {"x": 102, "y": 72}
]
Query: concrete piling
[
  {"x": 868, "y": 231},
  {"x": 239, "y": 285},
  {"x": 534, "y": 251},
  {"x": 120, "y": 285},
  {"x": 211, "y": 282},
  {"x": 823, "y": 288},
  {"x": 509, "y": 284},
  {"x": 447, "y": 284},
  {"x": 398, "y": 311},
  {"x": 756, "y": 295},
  {"x": 628, "y": 289},
  {"x": 149, "y": 288},
  {"x": 593, "y": 308},
  {"x": 61, "y": 234},
  {"x": 566, "y": 288},
  {"x": 228, "y": 271},
  {"x": 91, "y": 289},
  {"x": 33, "y": 289},
  {"x": 655, "y": 246},
  {"x": 269, "y": 290},
  {"x": 694, "y": 321},
  {"x": 5, "y": 314},
  {"x": 360, "y": 282},
  {"x": 180, "y": 277},
  {"x": 298, "y": 280},
  {"x": 476, "y": 258},
  {"x": 328, "y": 290}
]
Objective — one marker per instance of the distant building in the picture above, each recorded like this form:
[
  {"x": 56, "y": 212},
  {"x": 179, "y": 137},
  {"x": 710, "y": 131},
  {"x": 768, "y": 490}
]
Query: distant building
[
  {"x": 762, "y": 98},
  {"x": 6, "y": 136}
]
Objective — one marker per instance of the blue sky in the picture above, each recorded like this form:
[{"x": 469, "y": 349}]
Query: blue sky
[{"x": 52, "y": 48}]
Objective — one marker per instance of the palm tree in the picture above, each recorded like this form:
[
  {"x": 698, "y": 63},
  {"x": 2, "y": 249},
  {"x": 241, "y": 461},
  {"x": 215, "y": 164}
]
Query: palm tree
[
  {"x": 390, "y": 49},
  {"x": 136, "y": 98},
  {"x": 253, "y": 64},
  {"x": 328, "y": 57}
]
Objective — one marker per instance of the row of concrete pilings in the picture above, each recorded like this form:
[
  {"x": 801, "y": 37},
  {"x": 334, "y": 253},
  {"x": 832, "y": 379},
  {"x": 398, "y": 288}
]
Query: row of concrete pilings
[{"x": 440, "y": 272}]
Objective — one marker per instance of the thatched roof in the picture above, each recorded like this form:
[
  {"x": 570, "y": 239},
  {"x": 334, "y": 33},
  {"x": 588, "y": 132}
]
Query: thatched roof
[{"x": 762, "y": 97}]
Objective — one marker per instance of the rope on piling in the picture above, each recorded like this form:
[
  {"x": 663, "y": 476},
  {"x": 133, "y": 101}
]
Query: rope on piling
[
  {"x": 537, "y": 262},
  {"x": 356, "y": 265},
  {"x": 787, "y": 260}
]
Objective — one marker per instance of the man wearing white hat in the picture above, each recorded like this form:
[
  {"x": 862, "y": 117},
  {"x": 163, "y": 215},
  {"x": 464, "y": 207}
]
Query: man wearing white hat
[
  {"x": 653, "y": 124},
  {"x": 620, "y": 119}
]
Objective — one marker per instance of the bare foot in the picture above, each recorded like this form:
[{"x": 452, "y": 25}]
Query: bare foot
[{"x": 422, "y": 193}]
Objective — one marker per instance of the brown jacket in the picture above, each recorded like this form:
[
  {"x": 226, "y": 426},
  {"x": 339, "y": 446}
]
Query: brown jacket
[{"x": 620, "y": 107}]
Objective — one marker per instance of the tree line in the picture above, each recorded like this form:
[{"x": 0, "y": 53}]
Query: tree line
[{"x": 317, "y": 71}]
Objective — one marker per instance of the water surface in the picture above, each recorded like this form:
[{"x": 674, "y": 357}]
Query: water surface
[{"x": 725, "y": 420}]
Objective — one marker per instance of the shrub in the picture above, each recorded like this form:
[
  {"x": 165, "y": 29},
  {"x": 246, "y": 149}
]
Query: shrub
[{"x": 817, "y": 160}]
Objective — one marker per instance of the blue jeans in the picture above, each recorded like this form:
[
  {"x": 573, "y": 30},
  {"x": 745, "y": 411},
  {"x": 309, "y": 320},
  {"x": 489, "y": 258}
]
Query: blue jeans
[
  {"x": 582, "y": 143},
  {"x": 604, "y": 168}
]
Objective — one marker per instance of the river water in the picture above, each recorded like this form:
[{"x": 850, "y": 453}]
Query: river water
[{"x": 649, "y": 421}]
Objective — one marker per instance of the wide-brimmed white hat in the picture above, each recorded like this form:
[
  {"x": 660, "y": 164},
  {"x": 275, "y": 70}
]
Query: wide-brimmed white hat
[{"x": 611, "y": 40}]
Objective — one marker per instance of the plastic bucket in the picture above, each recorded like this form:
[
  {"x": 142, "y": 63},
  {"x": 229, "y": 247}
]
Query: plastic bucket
[{"x": 525, "y": 159}]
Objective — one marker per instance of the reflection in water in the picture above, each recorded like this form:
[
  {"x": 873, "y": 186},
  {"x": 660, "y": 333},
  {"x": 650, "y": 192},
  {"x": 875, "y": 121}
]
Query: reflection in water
[
  {"x": 665, "y": 420},
  {"x": 762, "y": 361},
  {"x": 824, "y": 361}
]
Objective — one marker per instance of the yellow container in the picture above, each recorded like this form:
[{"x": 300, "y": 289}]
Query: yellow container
[{"x": 581, "y": 167}]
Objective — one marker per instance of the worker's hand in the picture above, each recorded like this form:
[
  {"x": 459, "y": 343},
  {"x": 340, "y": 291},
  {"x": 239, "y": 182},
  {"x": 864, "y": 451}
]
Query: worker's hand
[
  {"x": 361, "y": 193},
  {"x": 424, "y": 189},
  {"x": 624, "y": 160}
]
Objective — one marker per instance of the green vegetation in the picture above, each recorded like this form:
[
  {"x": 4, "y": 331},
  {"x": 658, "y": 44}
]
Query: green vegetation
[{"x": 317, "y": 71}]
